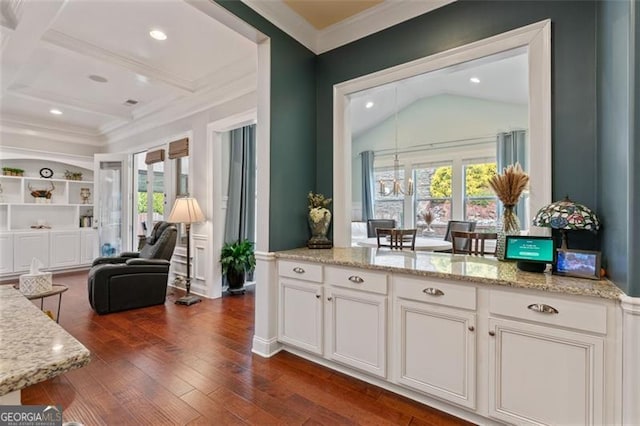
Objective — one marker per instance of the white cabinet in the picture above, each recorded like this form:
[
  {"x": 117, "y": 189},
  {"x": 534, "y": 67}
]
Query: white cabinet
[
  {"x": 6, "y": 253},
  {"x": 300, "y": 314},
  {"x": 357, "y": 329},
  {"x": 551, "y": 372},
  {"x": 436, "y": 339},
  {"x": 64, "y": 248},
  {"x": 544, "y": 375},
  {"x": 26, "y": 246},
  {"x": 88, "y": 245}
]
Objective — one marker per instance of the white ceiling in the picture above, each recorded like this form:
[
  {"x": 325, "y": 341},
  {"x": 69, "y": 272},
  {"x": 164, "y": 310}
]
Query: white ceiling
[
  {"x": 503, "y": 77},
  {"x": 50, "y": 48}
]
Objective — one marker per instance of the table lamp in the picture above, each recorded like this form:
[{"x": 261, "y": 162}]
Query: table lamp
[
  {"x": 566, "y": 215},
  {"x": 186, "y": 210}
]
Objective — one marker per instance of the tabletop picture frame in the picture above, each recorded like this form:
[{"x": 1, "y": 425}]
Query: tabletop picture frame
[{"x": 578, "y": 263}]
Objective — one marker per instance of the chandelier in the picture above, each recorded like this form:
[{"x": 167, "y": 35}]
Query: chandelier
[{"x": 396, "y": 188}]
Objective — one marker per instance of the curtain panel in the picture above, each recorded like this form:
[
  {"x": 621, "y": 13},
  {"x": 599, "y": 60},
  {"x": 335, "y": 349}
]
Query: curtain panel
[
  {"x": 240, "y": 219},
  {"x": 512, "y": 148},
  {"x": 368, "y": 184}
]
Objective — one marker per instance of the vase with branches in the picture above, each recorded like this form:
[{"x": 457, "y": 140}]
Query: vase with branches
[{"x": 508, "y": 187}]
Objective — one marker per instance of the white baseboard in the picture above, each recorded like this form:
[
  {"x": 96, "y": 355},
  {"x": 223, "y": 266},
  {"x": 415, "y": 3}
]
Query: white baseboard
[{"x": 265, "y": 348}]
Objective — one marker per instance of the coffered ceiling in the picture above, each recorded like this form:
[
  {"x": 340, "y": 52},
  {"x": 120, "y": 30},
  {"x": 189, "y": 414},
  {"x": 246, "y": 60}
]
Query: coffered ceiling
[
  {"x": 322, "y": 14},
  {"x": 95, "y": 63}
]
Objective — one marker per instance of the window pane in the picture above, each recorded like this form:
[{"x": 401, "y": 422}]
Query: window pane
[
  {"x": 182, "y": 173},
  {"x": 480, "y": 201},
  {"x": 433, "y": 192}
]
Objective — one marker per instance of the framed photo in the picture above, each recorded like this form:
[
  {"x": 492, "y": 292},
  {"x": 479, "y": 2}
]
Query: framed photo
[{"x": 578, "y": 263}]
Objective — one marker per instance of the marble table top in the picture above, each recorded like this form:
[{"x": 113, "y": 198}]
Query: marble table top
[
  {"x": 477, "y": 269},
  {"x": 33, "y": 348}
]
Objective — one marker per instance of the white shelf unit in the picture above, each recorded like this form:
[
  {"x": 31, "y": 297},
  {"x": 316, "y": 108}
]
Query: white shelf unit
[{"x": 19, "y": 210}]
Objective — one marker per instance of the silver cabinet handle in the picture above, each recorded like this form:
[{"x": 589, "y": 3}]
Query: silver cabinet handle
[
  {"x": 542, "y": 308},
  {"x": 356, "y": 279},
  {"x": 433, "y": 291},
  {"x": 298, "y": 270}
]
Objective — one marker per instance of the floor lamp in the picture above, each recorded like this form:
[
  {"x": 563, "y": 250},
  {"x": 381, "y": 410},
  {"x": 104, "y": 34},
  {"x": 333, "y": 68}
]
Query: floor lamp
[{"x": 186, "y": 210}]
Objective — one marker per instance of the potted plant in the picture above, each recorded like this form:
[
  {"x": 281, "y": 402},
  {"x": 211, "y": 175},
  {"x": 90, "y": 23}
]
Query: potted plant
[{"x": 237, "y": 259}]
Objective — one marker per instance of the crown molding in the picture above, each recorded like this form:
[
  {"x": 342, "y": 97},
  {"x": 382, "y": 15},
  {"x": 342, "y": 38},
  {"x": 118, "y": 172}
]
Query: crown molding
[
  {"x": 71, "y": 44},
  {"x": 26, "y": 126},
  {"x": 365, "y": 23},
  {"x": 287, "y": 20},
  {"x": 372, "y": 20},
  {"x": 202, "y": 101}
]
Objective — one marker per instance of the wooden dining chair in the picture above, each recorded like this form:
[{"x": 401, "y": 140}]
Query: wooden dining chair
[
  {"x": 398, "y": 238},
  {"x": 472, "y": 242},
  {"x": 385, "y": 237}
]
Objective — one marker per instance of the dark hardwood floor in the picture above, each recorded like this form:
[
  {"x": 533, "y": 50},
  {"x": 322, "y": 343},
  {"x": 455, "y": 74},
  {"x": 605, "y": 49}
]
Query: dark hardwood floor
[{"x": 182, "y": 365}]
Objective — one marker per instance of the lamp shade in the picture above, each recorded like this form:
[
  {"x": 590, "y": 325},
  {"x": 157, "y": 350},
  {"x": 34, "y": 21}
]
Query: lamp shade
[
  {"x": 566, "y": 214},
  {"x": 186, "y": 210}
]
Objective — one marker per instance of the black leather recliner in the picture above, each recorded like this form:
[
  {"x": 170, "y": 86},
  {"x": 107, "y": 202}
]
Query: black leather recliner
[{"x": 134, "y": 279}]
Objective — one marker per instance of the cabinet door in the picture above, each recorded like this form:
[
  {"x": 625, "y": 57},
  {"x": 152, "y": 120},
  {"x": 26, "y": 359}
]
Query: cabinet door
[
  {"x": 88, "y": 246},
  {"x": 436, "y": 350},
  {"x": 544, "y": 375},
  {"x": 357, "y": 329},
  {"x": 26, "y": 246},
  {"x": 6, "y": 248},
  {"x": 64, "y": 248},
  {"x": 300, "y": 315}
]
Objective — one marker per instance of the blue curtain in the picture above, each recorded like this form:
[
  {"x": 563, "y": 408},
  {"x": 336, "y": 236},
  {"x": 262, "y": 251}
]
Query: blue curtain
[
  {"x": 240, "y": 222},
  {"x": 368, "y": 185},
  {"x": 512, "y": 148}
]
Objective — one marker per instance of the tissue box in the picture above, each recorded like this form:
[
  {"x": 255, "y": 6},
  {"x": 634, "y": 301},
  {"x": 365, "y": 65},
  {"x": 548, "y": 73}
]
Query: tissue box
[{"x": 36, "y": 283}]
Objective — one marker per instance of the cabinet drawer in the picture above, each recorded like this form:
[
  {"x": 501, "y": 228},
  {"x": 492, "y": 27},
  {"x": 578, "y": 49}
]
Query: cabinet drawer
[
  {"x": 436, "y": 291},
  {"x": 550, "y": 310},
  {"x": 300, "y": 270},
  {"x": 357, "y": 279}
]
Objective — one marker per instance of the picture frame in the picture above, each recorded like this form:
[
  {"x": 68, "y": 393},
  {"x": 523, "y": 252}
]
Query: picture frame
[{"x": 578, "y": 263}]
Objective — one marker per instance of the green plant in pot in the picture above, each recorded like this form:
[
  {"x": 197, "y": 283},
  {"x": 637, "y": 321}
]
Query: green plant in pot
[{"x": 237, "y": 259}]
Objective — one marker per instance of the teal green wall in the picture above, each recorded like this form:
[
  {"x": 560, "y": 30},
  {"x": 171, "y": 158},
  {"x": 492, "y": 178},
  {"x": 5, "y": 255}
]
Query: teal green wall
[
  {"x": 462, "y": 22},
  {"x": 615, "y": 137},
  {"x": 586, "y": 160},
  {"x": 293, "y": 121}
]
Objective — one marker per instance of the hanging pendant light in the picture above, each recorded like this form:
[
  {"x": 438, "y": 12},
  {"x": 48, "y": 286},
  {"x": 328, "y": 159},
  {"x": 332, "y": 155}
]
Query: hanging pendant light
[{"x": 396, "y": 187}]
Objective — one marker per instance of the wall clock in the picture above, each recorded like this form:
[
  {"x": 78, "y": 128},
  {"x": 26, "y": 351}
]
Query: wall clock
[{"x": 46, "y": 172}]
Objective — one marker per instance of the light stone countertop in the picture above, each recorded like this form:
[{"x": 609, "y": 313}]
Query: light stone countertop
[
  {"x": 33, "y": 348},
  {"x": 477, "y": 269}
]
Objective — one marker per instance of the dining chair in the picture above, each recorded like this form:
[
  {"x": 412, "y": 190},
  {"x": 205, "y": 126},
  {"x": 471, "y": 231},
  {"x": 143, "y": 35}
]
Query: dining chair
[
  {"x": 457, "y": 225},
  {"x": 385, "y": 237},
  {"x": 472, "y": 242},
  {"x": 398, "y": 238},
  {"x": 372, "y": 224}
]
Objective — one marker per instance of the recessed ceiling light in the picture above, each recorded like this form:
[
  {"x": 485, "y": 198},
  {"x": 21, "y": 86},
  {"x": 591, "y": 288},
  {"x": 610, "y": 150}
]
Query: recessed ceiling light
[
  {"x": 158, "y": 35},
  {"x": 475, "y": 80},
  {"x": 98, "y": 78},
  {"x": 369, "y": 105},
  {"x": 55, "y": 111}
]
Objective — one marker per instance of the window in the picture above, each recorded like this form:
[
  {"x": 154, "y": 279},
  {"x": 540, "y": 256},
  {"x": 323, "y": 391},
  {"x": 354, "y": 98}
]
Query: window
[
  {"x": 433, "y": 192},
  {"x": 479, "y": 200},
  {"x": 388, "y": 205}
]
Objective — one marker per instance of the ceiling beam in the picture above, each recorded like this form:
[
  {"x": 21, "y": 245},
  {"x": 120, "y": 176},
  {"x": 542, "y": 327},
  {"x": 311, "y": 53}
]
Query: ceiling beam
[
  {"x": 66, "y": 43},
  {"x": 34, "y": 20},
  {"x": 64, "y": 101}
]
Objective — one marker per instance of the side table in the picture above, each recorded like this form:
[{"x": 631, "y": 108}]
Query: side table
[{"x": 57, "y": 289}]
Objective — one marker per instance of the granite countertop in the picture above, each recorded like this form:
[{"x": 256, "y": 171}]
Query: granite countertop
[
  {"x": 33, "y": 348},
  {"x": 477, "y": 269}
]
